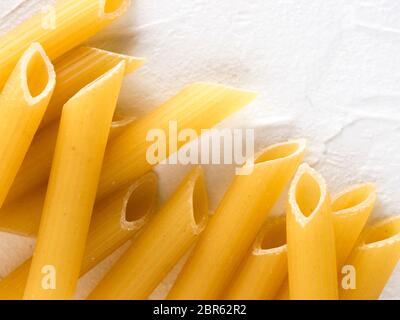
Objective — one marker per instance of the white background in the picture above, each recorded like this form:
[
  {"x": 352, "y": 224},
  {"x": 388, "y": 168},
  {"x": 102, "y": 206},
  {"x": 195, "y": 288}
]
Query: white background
[{"x": 326, "y": 70}]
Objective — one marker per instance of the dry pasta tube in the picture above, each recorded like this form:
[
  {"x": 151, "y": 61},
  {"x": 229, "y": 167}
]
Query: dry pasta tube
[
  {"x": 119, "y": 125},
  {"x": 115, "y": 220},
  {"x": 71, "y": 192},
  {"x": 58, "y": 28},
  {"x": 74, "y": 71},
  {"x": 162, "y": 242},
  {"x": 264, "y": 270},
  {"x": 372, "y": 262},
  {"x": 23, "y": 102},
  {"x": 351, "y": 209},
  {"x": 198, "y": 106},
  {"x": 23, "y": 216},
  {"x": 310, "y": 238},
  {"x": 35, "y": 170},
  {"x": 78, "y": 68},
  {"x": 236, "y": 222}
]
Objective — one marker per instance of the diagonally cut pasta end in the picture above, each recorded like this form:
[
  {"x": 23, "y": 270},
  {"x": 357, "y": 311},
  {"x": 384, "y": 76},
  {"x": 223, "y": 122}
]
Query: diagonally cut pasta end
[
  {"x": 307, "y": 194},
  {"x": 37, "y": 75},
  {"x": 112, "y": 9},
  {"x": 119, "y": 125},
  {"x": 140, "y": 202},
  {"x": 132, "y": 63},
  {"x": 243, "y": 96},
  {"x": 354, "y": 199},
  {"x": 198, "y": 200},
  {"x": 121, "y": 121},
  {"x": 281, "y": 151},
  {"x": 383, "y": 233},
  {"x": 272, "y": 237},
  {"x": 111, "y": 75}
]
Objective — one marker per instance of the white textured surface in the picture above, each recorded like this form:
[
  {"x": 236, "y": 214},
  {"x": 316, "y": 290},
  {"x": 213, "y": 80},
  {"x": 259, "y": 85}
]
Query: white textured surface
[{"x": 327, "y": 70}]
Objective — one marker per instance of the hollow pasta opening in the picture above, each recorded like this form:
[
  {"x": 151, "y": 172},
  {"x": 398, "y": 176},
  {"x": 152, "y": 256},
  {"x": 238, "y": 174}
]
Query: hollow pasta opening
[
  {"x": 142, "y": 200},
  {"x": 200, "y": 201},
  {"x": 274, "y": 235},
  {"x": 37, "y": 74},
  {"x": 278, "y": 151},
  {"x": 383, "y": 231},
  {"x": 353, "y": 197},
  {"x": 112, "y": 6},
  {"x": 308, "y": 194}
]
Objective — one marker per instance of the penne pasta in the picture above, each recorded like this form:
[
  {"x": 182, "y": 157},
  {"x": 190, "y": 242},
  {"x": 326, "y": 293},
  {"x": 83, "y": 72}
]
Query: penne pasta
[
  {"x": 373, "y": 260},
  {"x": 78, "y": 68},
  {"x": 109, "y": 230},
  {"x": 62, "y": 27},
  {"x": 351, "y": 210},
  {"x": 236, "y": 222},
  {"x": 34, "y": 173},
  {"x": 74, "y": 71},
  {"x": 34, "y": 170},
  {"x": 23, "y": 102},
  {"x": 162, "y": 242},
  {"x": 84, "y": 128},
  {"x": 119, "y": 125},
  {"x": 115, "y": 220},
  {"x": 264, "y": 270},
  {"x": 310, "y": 238},
  {"x": 23, "y": 217},
  {"x": 209, "y": 104}
]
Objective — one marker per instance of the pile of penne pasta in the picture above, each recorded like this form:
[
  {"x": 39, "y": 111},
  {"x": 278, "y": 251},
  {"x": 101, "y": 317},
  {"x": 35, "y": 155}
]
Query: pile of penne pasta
[{"x": 75, "y": 175}]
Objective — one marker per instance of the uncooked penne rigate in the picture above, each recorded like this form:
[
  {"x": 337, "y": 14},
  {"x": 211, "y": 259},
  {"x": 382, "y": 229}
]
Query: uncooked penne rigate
[
  {"x": 115, "y": 220},
  {"x": 235, "y": 224},
  {"x": 372, "y": 261},
  {"x": 85, "y": 177},
  {"x": 81, "y": 142},
  {"x": 310, "y": 238},
  {"x": 74, "y": 71},
  {"x": 59, "y": 28},
  {"x": 351, "y": 209},
  {"x": 264, "y": 270},
  {"x": 23, "y": 102},
  {"x": 160, "y": 245}
]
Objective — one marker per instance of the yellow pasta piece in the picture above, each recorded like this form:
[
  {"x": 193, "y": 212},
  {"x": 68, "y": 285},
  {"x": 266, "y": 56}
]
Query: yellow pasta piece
[
  {"x": 78, "y": 68},
  {"x": 74, "y": 70},
  {"x": 23, "y": 217},
  {"x": 59, "y": 29},
  {"x": 134, "y": 207},
  {"x": 351, "y": 209},
  {"x": 236, "y": 222},
  {"x": 265, "y": 269},
  {"x": 119, "y": 125},
  {"x": 23, "y": 102},
  {"x": 35, "y": 169},
  {"x": 162, "y": 242},
  {"x": 310, "y": 238},
  {"x": 81, "y": 142},
  {"x": 115, "y": 220},
  {"x": 374, "y": 260},
  {"x": 198, "y": 106}
]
